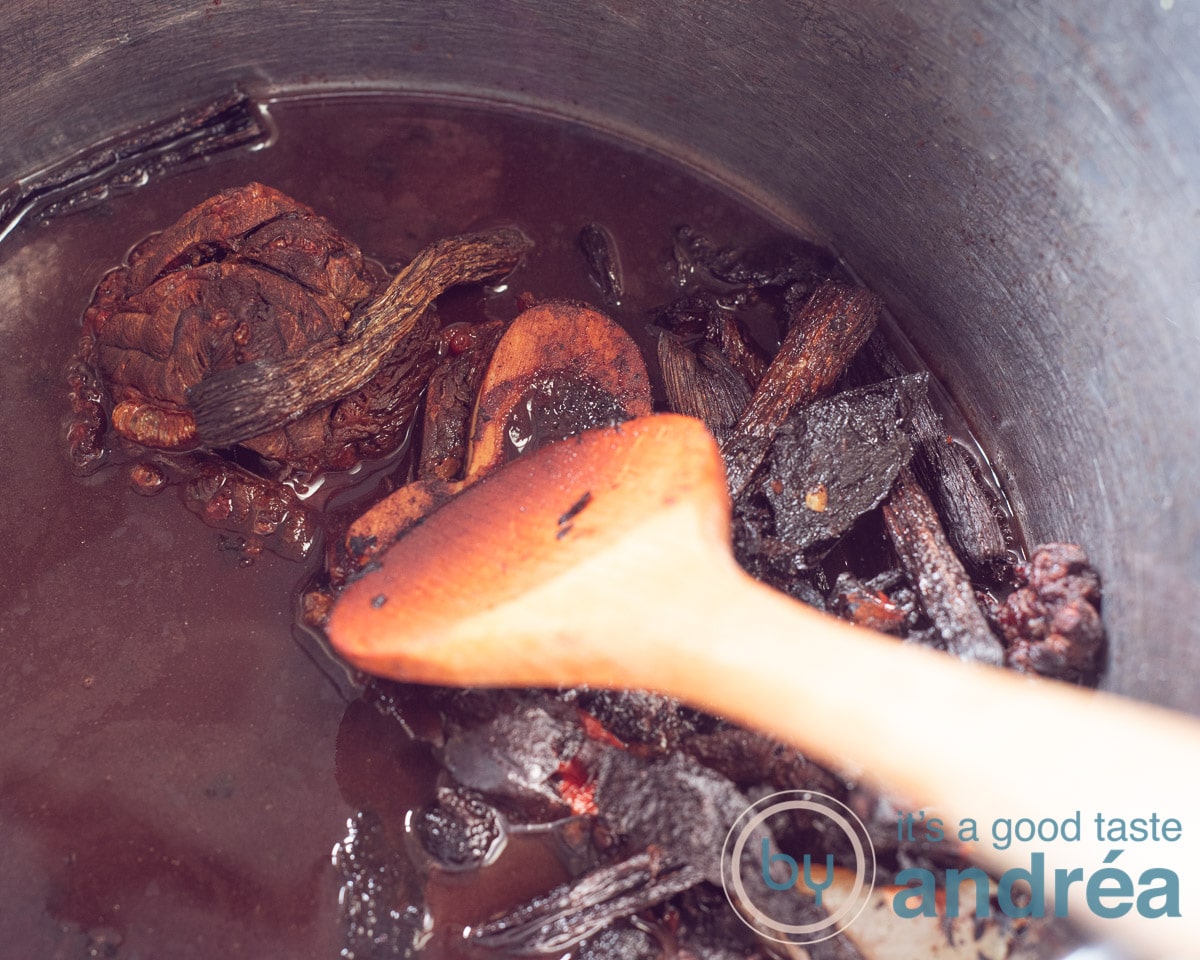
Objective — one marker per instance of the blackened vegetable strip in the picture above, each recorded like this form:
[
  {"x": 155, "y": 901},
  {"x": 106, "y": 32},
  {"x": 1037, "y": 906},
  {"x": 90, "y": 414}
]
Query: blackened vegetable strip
[
  {"x": 967, "y": 509},
  {"x": 823, "y": 337},
  {"x": 937, "y": 573}
]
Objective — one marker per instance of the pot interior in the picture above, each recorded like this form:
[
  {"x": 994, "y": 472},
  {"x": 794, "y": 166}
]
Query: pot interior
[
  {"x": 1022, "y": 199},
  {"x": 1018, "y": 185}
]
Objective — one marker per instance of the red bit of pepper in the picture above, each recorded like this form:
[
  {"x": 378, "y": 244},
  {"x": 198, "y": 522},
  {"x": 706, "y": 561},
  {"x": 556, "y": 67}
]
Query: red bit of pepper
[
  {"x": 576, "y": 789},
  {"x": 873, "y": 609},
  {"x": 595, "y": 730}
]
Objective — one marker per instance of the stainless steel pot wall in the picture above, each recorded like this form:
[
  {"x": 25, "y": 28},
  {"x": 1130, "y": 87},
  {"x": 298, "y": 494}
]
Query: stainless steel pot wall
[{"x": 1020, "y": 181}]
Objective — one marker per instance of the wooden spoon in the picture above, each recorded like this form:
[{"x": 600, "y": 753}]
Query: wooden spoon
[{"x": 604, "y": 560}]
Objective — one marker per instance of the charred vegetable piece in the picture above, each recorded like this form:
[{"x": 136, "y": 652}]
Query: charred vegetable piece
[
  {"x": 824, "y": 335},
  {"x": 837, "y": 459},
  {"x": 938, "y": 574},
  {"x": 255, "y": 397},
  {"x": 636, "y": 717},
  {"x": 1051, "y": 622},
  {"x": 687, "y": 809},
  {"x": 701, "y": 383},
  {"x": 881, "y": 604},
  {"x": 969, "y": 512},
  {"x": 763, "y": 555},
  {"x": 673, "y": 803},
  {"x": 704, "y": 926},
  {"x": 774, "y": 264},
  {"x": 449, "y": 402},
  {"x": 708, "y": 316},
  {"x": 460, "y": 831},
  {"x": 599, "y": 251},
  {"x": 572, "y": 912}
]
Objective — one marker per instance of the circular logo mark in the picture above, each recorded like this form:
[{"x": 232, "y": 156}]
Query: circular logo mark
[{"x": 771, "y": 890}]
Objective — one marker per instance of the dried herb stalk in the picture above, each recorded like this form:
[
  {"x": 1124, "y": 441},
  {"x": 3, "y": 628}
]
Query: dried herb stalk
[
  {"x": 823, "y": 337},
  {"x": 937, "y": 573},
  {"x": 253, "y": 398}
]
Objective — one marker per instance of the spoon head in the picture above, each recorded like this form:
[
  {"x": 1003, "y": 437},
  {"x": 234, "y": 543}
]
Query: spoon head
[
  {"x": 514, "y": 582},
  {"x": 565, "y": 347}
]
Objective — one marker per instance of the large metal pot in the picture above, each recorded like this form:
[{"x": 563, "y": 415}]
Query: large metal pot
[{"x": 1020, "y": 181}]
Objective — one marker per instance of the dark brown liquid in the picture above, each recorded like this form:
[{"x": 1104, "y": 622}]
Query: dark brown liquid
[{"x": 177, "y": 769}]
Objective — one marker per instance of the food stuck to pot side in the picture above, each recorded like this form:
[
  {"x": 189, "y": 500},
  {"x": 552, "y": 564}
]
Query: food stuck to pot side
[{"x": 848, "y": 492}]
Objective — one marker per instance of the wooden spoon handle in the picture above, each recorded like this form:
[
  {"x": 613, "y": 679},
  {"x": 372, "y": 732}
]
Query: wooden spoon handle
[
  {"x": 604, "y": 560},
  {"x": 986, "y": 743}
]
